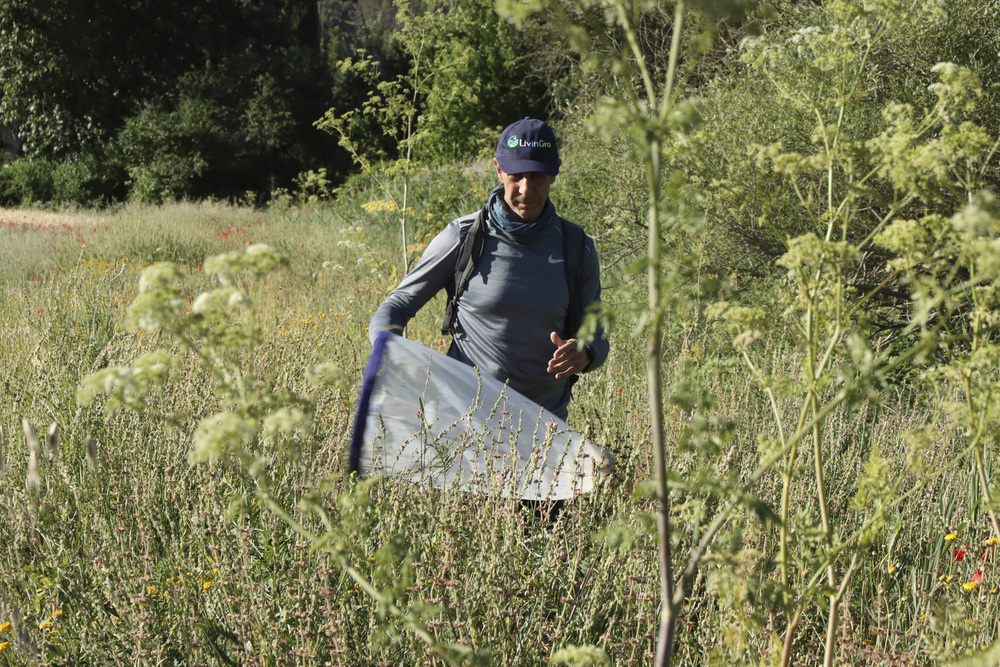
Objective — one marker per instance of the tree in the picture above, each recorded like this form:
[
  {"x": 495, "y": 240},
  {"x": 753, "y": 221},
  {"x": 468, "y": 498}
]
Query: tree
[
  {"x": 73, "y": 75},
  {"x": 479, "y": 74},
  {"x": 465, "y": 73},
  {"x": 70, "y": 72}
]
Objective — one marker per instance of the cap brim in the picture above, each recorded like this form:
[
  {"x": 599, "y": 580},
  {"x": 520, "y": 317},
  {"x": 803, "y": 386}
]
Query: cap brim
[{"x": 509, "y": 166}]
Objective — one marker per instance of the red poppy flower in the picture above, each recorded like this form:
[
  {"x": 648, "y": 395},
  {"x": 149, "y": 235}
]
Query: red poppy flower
[
  {"x": 959, "y": 554},
  {"x": 977, "y": 578}
]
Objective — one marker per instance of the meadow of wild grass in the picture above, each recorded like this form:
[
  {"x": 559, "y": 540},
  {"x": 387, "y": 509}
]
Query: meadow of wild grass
[{"x": 117, "y": 549}]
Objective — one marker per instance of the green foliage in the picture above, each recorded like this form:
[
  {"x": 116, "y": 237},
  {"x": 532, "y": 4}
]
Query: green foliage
[
  {"x": 831, "y": 474},
  {"x": 71, "y": 85},
  {"x": 26, "y": 181},
  {"x": 311, "y": 188},
  {"x": 87, "y": 179},
  {"x": 478, "y": 71},
  {"x": 929, "y": 160},
  {"x": 465, "y": 72},
  {"x": 68, "y": 81},
  {"x": 83, "y": 179},
  {"x": 580, "y": 656},
  {"x": 478, "y": 569},
  {"x": 164, "y": 151},
  {"x": 268, "y": 120},
  {"x": 844, "y": 166},
  {"x": 888, "y": 77}
]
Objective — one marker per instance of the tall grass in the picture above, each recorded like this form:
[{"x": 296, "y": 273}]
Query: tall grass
[{"x": 150, "y": 559}]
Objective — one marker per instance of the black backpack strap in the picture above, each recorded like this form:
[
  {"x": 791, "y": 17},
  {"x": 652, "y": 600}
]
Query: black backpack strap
[
  {"x": 574, "y": 246},
  {"x": 470, "y": 249}
]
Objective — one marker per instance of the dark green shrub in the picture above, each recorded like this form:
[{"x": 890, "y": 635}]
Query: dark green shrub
[
  {"x": 26, "y": 181},
  {"x": 6, "y": 184},
  {"x": 164, "y": 149},
  {"x": 86, "y": 179}
]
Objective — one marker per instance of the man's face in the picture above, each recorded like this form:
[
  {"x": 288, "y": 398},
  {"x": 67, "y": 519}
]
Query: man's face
[{"x": 525, "y": 193}]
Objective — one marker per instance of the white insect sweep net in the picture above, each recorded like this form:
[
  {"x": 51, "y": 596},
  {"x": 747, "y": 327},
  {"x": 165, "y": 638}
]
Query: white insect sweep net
[{"x": 426, "y": 417}]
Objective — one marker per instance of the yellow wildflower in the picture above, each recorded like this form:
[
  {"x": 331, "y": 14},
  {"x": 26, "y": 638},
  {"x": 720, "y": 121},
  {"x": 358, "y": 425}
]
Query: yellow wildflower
[
  {"x": 992, "y": 540},
  {"x": 46, "y": 624},
  {"x": 951, "y": 536},
  {"x": 381, "y": 205},
  {"x": 205, "y": 586},
  {"x": 57, "y": 612},
  {"x": 5, "y": 627},
  {"x": 971, "y": 585},
  {"x": 4, "y": 646}
]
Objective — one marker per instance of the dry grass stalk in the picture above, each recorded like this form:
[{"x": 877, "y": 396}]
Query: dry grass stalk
[
  {"x": 91, "y": 454},
  {"x": 52, "y": 443},
  {"x": 22, "y": 635},
  {"x": 15, "y": 621},
  {"x": 33, "y": 481}
]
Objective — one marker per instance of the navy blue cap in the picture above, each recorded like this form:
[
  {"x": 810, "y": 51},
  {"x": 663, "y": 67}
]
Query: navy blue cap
[{"x": 528, "y": 145}]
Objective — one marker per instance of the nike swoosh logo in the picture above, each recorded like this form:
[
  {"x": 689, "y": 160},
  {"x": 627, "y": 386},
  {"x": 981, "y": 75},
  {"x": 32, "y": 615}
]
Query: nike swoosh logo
[{"x": 553, "y": 260}]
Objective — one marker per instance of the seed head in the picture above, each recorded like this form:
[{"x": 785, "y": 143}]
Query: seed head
[
  {"x": 52, "y": 443},
  {"x": 33, "y": 481},
  {"x": 91, "y": 454}
]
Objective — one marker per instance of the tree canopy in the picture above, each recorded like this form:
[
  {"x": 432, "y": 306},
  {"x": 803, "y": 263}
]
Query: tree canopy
[{"x": 148, "y": 100}]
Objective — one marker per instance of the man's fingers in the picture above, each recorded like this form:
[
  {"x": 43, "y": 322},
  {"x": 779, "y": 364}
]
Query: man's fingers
[
  {"x": 568, "y": 363},
  {"x": 568, "y": 359},
  {"x": 563, "y": 346},
  {"x": 561, "y": 364}
]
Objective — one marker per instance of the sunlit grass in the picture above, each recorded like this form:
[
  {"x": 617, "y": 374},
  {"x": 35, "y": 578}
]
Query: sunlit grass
[{"x": 150, "y": 559}]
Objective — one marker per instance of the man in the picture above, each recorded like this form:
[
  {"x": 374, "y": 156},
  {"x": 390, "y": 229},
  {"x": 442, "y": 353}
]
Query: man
[{"x": 510, "y": 319}]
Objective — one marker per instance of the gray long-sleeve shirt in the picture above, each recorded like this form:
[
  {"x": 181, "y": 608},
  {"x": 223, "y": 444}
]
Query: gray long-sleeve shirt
[{"x": 516, "y": 297}]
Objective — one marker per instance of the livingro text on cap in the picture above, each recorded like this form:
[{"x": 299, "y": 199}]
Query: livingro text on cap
[{"x": 529, "y": 145}]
